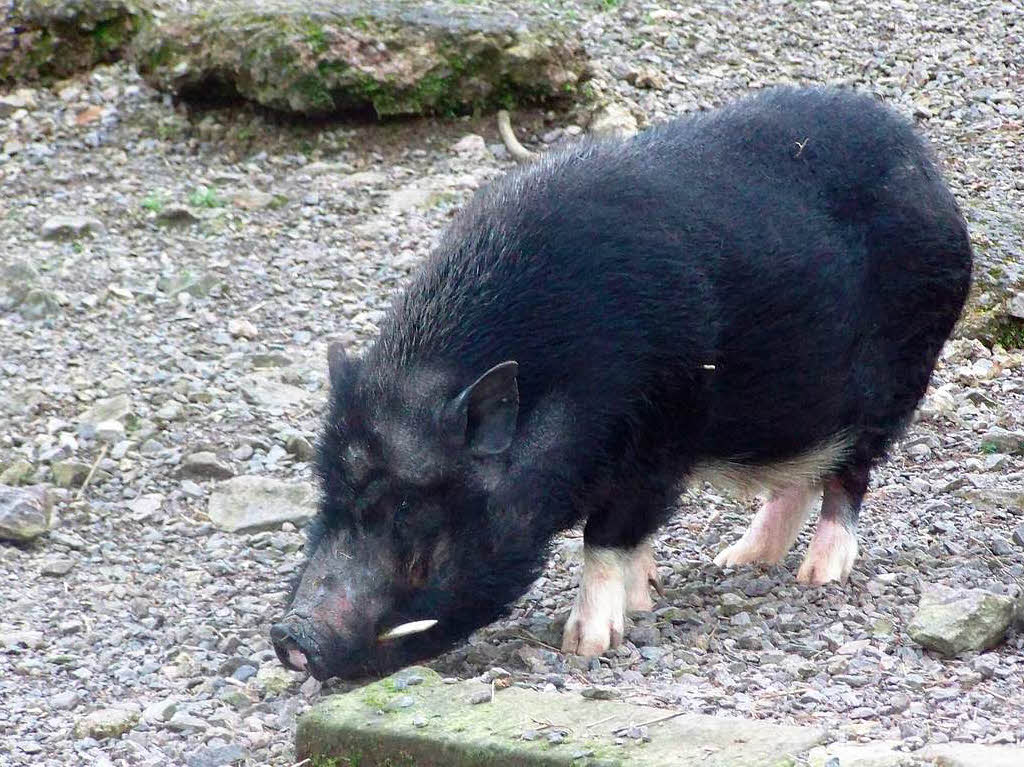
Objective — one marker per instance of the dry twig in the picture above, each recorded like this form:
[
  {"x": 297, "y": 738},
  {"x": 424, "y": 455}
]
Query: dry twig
[
  {"x": 92, "y": 471},
  {"x": 659, "y": 720}
]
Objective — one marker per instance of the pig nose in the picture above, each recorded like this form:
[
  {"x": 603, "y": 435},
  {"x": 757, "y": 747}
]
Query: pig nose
[{"x": 292, "y": 648}]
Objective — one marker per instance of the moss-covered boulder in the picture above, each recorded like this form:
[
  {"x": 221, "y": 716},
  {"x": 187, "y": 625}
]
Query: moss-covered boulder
[
  {"x": 49, "y": 39},
  {"x": 396, "y": 57},
  {"x": 991, "y": 314}
]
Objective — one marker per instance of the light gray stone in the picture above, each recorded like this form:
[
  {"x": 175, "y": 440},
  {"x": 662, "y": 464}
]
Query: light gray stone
[
  {"x": 25, "y": 513},
  {"x": 951, "y": 621},
  {"x": 205, "y": 465},
  {"x": 106, "y": 723},
  {"x": 68, "y": 227},
  {"x": 39, "y": 303},
  {"x": 103, "y": 411},
  {"x": 19, "y": 472},
  {"x": 267, "y": 393},
  {"x": 613, "y": 120},
  {"x": 17, "y": 278},
  {"x": 249, "y": 503}
]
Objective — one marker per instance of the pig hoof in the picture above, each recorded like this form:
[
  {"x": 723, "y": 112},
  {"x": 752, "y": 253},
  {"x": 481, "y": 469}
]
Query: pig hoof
[
  {"x": 743, "y": 553},
  {"x": 830, "y": 556},
  {"x": 733, "y": 555},
  {"x": 592, "y": 637}
]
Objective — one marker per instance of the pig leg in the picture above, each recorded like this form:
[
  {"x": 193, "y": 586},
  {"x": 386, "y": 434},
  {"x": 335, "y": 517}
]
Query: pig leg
[
  {"x": 641, "y": 574},
  {"x": 833, "y": 548},
  {"x": 618, "y": 564},
  {"x": 597, "y": 620},
  {"x": 614, "y": 581},
  {"x": 774, "y": 528}
]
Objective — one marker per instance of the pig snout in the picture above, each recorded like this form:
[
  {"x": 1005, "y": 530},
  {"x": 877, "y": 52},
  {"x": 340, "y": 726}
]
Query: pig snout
[{"x": 294, "y": 644}]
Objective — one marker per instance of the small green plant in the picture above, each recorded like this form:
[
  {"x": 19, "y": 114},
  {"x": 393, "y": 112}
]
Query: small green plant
[
  {"x": 325, "y": 761},
  {"x": 608, "y": 5},
  {"x": 109, "y": 35},
  {"x": 316, "y": 38},
  {"x": 204, "y": 197},
  {"x": 153, "y": 201},
  {"x": 1010, "y": 335},
  {"x": 989, "y": 448}
]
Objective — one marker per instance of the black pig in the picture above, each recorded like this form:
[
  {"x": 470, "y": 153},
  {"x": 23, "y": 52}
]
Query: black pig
[{"x": 759, "y": 293}]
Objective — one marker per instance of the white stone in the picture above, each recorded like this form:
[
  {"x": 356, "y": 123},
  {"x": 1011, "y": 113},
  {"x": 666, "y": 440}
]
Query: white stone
[{"x": 249, "y": 503}]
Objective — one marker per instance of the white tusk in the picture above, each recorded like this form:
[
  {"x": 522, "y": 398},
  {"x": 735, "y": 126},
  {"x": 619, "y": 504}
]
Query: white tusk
[{"x": 405, "y": 629}]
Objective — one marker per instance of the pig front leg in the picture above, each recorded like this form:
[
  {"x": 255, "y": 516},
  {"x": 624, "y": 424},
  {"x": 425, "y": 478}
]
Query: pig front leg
[{"x": 614, "y": 580}]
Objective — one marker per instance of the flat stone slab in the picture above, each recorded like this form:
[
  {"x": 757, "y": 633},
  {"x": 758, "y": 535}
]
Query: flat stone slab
[
  {"x": 397, "y": 57},
  {"x": 885, "y": 754},
  {"x": 426, "y": 723}
]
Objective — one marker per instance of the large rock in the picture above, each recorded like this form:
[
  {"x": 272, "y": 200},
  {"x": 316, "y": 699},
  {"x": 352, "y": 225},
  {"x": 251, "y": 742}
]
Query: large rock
[
  {"x": 25, "y": 513},
  {"x": 413, "y": 718},
  {"x": 50, "y": 39},
  {"x": 952, "y": 621},
  {"x": 248, "y": 504},
  {"x": 999, "y": 440},
  {"x": 320, "y": 57},
  {"x": 205, "y": 465},
  {"x": 991, "y": 314}
]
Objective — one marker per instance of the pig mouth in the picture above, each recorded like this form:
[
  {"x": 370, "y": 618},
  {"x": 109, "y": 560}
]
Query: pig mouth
[
  {"x": 296, "y": 649},
  {"x": 300, "y": 647}
]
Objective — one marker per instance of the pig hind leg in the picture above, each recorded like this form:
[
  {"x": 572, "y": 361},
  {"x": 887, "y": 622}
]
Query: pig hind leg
[
  {"x": 833, "y": 548},
  {"x": 774, "y": 528}
]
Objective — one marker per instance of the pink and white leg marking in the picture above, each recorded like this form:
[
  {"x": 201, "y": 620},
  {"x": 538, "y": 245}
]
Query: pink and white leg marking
[
  {"x": 641, "y": 575},
  {"x": 774, "y": 528},
  {"x": 833, "y": 548},
  {"x": 613, "y": 581}
]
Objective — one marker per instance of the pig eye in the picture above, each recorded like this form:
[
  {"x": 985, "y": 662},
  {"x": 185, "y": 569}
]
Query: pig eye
[{"x": 357, "y": 462}]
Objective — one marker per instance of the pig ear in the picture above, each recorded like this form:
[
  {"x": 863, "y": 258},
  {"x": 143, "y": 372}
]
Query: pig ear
[
  {"x": 483, "y": 416},
  {"x": 339, "y": 366}
]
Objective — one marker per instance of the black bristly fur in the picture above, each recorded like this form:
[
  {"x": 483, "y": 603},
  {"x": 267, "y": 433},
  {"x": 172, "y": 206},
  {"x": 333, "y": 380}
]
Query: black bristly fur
[{"x": 802, "y": 242}]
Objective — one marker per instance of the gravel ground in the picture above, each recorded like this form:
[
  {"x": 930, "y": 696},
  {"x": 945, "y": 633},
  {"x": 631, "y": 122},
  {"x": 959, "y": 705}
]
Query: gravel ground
[{"x": 220, "y": 251}]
